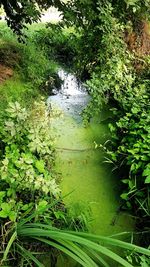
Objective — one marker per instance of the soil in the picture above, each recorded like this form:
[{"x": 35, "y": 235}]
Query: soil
[{"x": 5, "y": 73}]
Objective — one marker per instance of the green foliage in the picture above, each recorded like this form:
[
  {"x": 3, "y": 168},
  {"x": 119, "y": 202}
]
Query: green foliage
[
  {"x": 6, "y": 211},
  {"x": 109, "y": 65},
  {"x": 29, "y": 190},
  {"x": 115, "y": 81},
  {"x": 79, "y": 12},
  {"x": 19, "y": 13},
  {"x": 15, "y": 89},
  {"x": 86, "y": 249},
  {"x": 131, "y": 132},
  {"x": 26, "y": 169},
  {"x": 112, "y": 70},
  {"x": 29, "y": 60},
  {"x": 57, "y": 42}
]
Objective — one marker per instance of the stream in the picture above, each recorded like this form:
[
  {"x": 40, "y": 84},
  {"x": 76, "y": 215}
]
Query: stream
[{"x": 92, "y": 186}]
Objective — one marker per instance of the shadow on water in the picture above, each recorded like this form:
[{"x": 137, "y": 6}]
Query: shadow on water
[{"x": 94, "y": 186}]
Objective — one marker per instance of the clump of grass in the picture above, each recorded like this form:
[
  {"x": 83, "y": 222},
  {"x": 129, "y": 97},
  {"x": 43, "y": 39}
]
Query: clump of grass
[
  {"x": 28, "y": 59},
  {"x": 15, "y": 89},
  {"x": 86, "y": 249},
  {"x": 31, "y": 67}
]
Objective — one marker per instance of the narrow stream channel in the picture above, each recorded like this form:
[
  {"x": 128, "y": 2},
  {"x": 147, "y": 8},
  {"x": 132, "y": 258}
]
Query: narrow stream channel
[{"x": 84, "y": 173}]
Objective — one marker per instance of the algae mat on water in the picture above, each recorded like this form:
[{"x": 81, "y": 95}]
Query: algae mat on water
[
  {"x": 84, "y": 173},
  {"x": 94, "y": 189}
]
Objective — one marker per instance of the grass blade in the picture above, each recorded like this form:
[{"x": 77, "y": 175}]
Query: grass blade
[
  {"x": 12, "y": 239},
  {"x": 115, "y": 242},
  {"x": 98, "y": 257},
  {"x": 76, "y": 249},
  {"x": 57, "y": 235},
  {"x": 28, "y": 254},
  {"x": 63, "y": 249}
]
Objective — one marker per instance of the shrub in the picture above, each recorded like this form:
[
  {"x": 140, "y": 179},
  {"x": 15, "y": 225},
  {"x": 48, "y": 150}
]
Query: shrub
[{"x": 57, "y": 42}]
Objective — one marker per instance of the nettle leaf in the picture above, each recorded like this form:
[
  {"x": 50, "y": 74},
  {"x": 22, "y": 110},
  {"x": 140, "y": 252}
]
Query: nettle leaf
[{"x": 40, "y": 165}]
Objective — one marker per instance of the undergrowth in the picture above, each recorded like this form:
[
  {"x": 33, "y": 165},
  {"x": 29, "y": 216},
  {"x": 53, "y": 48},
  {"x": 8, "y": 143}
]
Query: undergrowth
[
  {"x": 27, "y": 60},
  {"x": 27, "y": 147},
  {"x": 117, "y": 79},
  {"x": 58, "y": 42},
  {"x": 29, "y": 186}
]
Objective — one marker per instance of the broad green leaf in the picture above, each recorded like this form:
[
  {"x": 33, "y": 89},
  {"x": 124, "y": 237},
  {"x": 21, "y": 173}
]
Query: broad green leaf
[
  {"x": 3, "y": 214},
  {"x": 147, "y": 180},
  {"x": 124, "y": 196},
  {"x": 146, "y": 172},
  {"x": 12, "y": 215},
  {"x": 40, "y": 165}
]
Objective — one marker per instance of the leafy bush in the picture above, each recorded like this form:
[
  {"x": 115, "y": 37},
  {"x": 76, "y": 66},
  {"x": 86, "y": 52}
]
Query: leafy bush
[
  {"x": 35, "y": 64},
  {"x": 28, "y": 59},
  {"x": 131, "y": 133},
  {"x": 57, "y": 42},
  {"x": 29, "y": 190},
  {"x": 115, "y": 80},
  {"x": 27, "y": 176}
]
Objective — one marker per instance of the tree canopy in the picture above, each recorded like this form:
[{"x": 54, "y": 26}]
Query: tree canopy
[
  {"x": 80, "y": 12},
  {"x": 19, "y": 13}
]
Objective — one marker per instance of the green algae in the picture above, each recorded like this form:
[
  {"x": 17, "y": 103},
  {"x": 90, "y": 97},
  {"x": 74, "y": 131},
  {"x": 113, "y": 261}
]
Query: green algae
[
  {"x": 85, "y": 174},
  {"x": 93, "y": 188}
]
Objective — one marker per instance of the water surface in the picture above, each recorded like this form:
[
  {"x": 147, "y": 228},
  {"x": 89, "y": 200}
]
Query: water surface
[{"x": 94, "y": 187}]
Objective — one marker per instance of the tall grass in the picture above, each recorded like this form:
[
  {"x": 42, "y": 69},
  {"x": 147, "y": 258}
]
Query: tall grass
[
  {"x": 88, "y": 250},
  {"x": 31, "y": 67}
]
